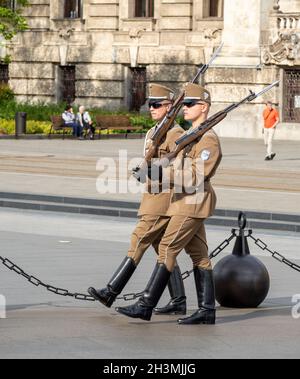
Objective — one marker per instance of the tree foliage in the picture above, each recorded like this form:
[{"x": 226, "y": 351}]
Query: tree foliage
[{"x": 11, "y": 19}]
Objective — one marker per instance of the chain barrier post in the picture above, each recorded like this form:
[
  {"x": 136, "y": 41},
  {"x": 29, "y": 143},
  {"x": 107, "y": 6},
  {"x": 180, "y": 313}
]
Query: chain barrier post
[{"x": 242, "y": 281}]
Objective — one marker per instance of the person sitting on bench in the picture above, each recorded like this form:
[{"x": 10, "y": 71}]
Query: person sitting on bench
[
  {"x": 85, "y": 121},
  {"x": 70, "y": 121}
]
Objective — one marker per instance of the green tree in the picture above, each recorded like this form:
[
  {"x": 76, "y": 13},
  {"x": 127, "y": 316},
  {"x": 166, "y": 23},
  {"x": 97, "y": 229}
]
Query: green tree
[{"x": 11, "y": 19}]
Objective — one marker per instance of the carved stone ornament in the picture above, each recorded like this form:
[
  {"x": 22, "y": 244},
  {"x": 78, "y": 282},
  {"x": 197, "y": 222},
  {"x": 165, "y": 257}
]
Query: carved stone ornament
[
  {"x": 276, "y": 6},
  {"x": 65, "y": 35},
  {"x": 135, "y": 34},
  {"x": 286, "y": 48},
  {"x": 212, "y": 33}
]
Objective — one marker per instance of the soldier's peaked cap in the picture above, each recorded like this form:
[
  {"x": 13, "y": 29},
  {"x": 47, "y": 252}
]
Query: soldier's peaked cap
[
  {"x": 196, "y": 92},
  {"x": 160, "y": 93}
]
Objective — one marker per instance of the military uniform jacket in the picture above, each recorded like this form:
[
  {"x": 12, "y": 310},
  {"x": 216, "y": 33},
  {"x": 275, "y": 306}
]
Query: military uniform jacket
[
  {"x": 198, "y": 199},
  {"x": 158, "y": 203}
]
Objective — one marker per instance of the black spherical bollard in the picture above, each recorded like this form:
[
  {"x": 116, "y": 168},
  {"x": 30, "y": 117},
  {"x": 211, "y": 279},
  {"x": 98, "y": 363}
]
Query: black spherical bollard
[{"x": 242, "y": 281}]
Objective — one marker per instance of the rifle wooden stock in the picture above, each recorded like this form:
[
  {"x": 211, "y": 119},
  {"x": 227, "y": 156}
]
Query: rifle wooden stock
[{"x": 191, "y": 136}]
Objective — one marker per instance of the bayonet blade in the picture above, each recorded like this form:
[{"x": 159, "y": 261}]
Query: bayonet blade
[
  {"x": 216, "y": 53},
  {"x": 267, "y": 89},
  {"x": 205, "y": 67}
]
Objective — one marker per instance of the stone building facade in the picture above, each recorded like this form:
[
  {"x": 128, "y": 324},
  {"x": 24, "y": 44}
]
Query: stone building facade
[{"x": 103, "y": 53}]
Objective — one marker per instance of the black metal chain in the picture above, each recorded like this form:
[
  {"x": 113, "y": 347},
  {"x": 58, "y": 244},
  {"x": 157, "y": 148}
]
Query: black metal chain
[
  {"x": 215, "y": 253},
  {"x": 131, "y": 296},
  {"x": 79, "y": 296},
  {"x": 280, "y": 258},
  {"x": 36, "y": 282},
  {"x": 242, "y": 220}
]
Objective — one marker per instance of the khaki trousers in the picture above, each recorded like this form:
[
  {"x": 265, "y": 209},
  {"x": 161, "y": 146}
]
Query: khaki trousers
[
  {"x": 184, "y": 233},
  {"x": 269, "y": 135},
  {"x": 148, "y": 231}
]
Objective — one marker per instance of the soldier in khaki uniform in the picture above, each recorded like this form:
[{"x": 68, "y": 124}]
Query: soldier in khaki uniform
[
  {"x": 188, "y": 211},
  {"x": 153, "y": 219}
]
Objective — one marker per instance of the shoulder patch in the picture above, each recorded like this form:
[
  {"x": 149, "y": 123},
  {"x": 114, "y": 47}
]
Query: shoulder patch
[{"x": 205, "y": 155}]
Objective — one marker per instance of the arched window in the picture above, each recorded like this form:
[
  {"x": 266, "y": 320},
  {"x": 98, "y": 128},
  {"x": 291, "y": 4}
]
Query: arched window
[
  {"x": 144, "y": 8},
  {"x": 72, "y": 9}
]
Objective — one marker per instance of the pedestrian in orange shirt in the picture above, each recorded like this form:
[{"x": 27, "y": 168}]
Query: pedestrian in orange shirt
[{"x": 271, "y": 120}]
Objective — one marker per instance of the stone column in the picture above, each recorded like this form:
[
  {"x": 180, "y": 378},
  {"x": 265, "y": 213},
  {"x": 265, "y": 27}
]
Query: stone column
[{"x": 243, "y": 24}]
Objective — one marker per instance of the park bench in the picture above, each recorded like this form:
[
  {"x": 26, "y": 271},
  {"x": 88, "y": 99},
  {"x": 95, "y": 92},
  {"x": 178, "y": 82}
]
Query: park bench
[
  {"x": 103, "y": 122},
  {"x": 115, "y": 122},
  {"x": 57, "y": 124}
]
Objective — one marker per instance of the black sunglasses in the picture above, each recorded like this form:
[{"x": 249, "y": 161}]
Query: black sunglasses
[
  {"x": 192, "y": 103},
  {"x": 156, "y": 105}
]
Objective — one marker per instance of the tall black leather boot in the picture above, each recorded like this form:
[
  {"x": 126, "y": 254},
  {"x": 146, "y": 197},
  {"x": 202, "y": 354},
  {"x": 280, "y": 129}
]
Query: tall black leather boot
[
  {"x": 108, "y": 295},
  {"x": 177, "y": 304},
  {"x": 155, "y": 288},
  {"x": 205, "y": 288}
]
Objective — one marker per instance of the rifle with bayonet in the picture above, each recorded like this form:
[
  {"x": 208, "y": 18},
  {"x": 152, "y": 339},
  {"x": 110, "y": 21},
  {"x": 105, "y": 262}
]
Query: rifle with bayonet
[
  {"x": 195, "y": 133},
  {"x": 168, "y": 121}
]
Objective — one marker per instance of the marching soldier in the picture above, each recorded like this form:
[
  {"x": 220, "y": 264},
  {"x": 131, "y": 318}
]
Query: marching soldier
[
  {"x": 188, "y": 211},
  {"x": 153, "y": 220}
]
